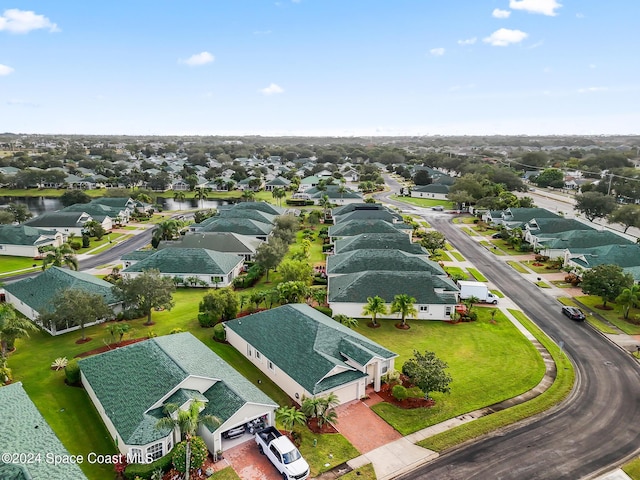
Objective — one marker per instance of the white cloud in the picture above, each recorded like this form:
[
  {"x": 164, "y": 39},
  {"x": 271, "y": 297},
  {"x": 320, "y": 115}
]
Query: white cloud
[
  {"x": 198, "y": 59},
  {"x": 5, "y": 70},
  {"x": 497, "y": 13},
  {"x": 468, "y": 41},
  {"x": 545, "y": 7},
  {"x": 437, "y": 52},
  {"x": 272, "y": 89},
  {"x": 592, "y": 66},
  {"x": 592, "y": 89},
  {"x": 23, "y": 21},
  {"x": 504, "y": 37}
]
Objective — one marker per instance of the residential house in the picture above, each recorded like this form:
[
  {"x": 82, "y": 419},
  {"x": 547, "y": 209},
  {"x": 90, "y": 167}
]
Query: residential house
[
  {"x": 194, "y": 267},
  {"x": 308, "y": 354},
  {"x": 436, "y": 296},
  {"x": 241, "y": 226},
  {"x": 26, "y": 241},
  {"x": 103, "y": 214},
  {"x": 537, "y": 229},
  {"x": 365, "y": 241},
  {"x": 308, "y": 182},
  {"x": 356, "y": 227},
  {"x": 133, "y": 257},
  {"x": 625, "y": 256},
  {"x": 26, "y": 435},
  {"x": 360, "y": 214},
  {"x": 34, "y": 296},
  {"x": 435, "y": 191},
  {"x": 278, "y": 182},
  {"x": 130, "y": 386},
  {"x": 226, "y": 242},
  {"x": 335, "y": 194},
  {"x": 66, "y": 223},
  {"x": 356, "y": 261},
  {"x": 574, "y": 240}
]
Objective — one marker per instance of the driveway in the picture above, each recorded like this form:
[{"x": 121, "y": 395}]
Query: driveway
[
  {"x": 249, "y": 464},
  {"x": 363, "y": 427}
]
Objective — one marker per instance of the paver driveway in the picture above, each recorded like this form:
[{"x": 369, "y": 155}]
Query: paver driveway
[{"x": 249, "y": 464}]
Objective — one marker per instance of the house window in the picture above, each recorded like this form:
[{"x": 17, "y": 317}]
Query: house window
[
  {"x": 1, "y": 247},
  {"x": 424, "y": 308},
  {"x": 169, "y": 444},
  {"x": 447, "y": 311},
  {"x": 135, "y": 455},
  {"x": 270, "y": 365},
  {"x": 216, "y": 279},
  {"x": 258, "y": 355},
  {"x": 384, "y": 369},
  {"x": 249, "y": 351},
  {"x": 155, "y": 451}
]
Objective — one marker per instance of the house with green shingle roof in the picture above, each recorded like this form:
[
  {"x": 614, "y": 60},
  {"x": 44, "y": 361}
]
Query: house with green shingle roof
[
  {"x": 261, "y": 206},
  {"x": 556, "y": 245},
  {"x": 130, "y": 386},
  {"x": 625, "y": 256},
  {"x": 436, "y": 296},
  {"x": 365, "y": 214},
  {"x": 277, "y": 182},
  {"x": 335, "y": 195},
  {"x": 538, "y": 229},
  {"x": 357, "y": 227},
  {"x": 25, "y": 241},
  {"x": 382, "y": 260},
  {"x": 63, "y": 222},
  {"x": 194, "y": 267},
  {"x": 383, "y": 241},
  {"x": 242, "y": 226},
  {"x": 308, "y": 354},
  {"x": 34, "y": 296},
  {"x": 434, "y": 190},
  {"x": 24, "y": 431},
  {"x": 226, "y": 242}
]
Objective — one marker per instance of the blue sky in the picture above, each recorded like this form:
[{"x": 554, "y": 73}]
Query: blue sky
[{"x": 320, "y": 67}]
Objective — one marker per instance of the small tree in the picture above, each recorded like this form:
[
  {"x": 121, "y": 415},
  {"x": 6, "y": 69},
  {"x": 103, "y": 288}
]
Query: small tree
[
  {"x": 606, "y": 281},
  {"x": 269, "y": 255},
  {"x": 629, "y": 298},
  {"x": 290, "y": 417},
  {"x": 147, "y": 291},
  {"x": 433, "y": 241},
  {"x": 60, "y": 256},
  {"x": 595, "y": 205},
  {"x": 345, "y": 320},
  {"x": 403, "y": 304},
  {"x": 77, "y": 307},
  {"x": 427, "y": 371},
  {"x": 375, "y": 306},
  {"x": 12, "y": 327}
]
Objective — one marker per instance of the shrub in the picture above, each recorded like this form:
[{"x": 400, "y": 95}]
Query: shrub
[
  {"x": 219, "y": 333},
  {"x": 145, "y": 470},
  {"x": 199, "y": 453},
  {"x": 399, "y": 392},
  {"x": 206, "y": 320},
  {"x": 326, "y": 310},
  {"x": 392, "y": 377},
  {"x": 176, "y": 330},
  {"x": 415, "y": 392},
  {"x": 86, "y": 241},
  {"x": 72, "y": 372},
  {"x": 59, "y": 363},
  {"x": 75, "y": 245}
]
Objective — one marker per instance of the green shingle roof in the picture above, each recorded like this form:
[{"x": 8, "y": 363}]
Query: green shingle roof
[
  {"x": 526, "y": 214},
  {"x": 38, "y": 292},
  {"x": 96, "y": 210},
  {"x": 367, "y": 215},
  {"x": 116, "y": 202},
  {"x": 129, "y": 381},
  {"x": 387, "y": 241},
  {"x": 137, "y": 255},
  {"x": 57, "y": 219},
  {"x": 256, "y": 215},
  {"x": 432, "y": 188},
  {"x": 311, "y": 347},
  {"x": 24, "y": 235},
  {"x": 358, "y": 206},
  {"x": 375, "y": 259},
  {"x": 583, "y": 239},
  {"x": 261, "y": 206},
  {"x": 332, "y": 191},
  {"x": 24, "y": 430},
  {"x": 540, "y": 226},
  {"x": 243, "y": 226},
  {"x": 356, "y": 227},
  {"x": 356, "y": 287},
  {"x": 279, "y": 181},
  {"x": 188, "y": 260},
  {"x": 626, "y": 256},
  {"x": 218, "y": 241}
]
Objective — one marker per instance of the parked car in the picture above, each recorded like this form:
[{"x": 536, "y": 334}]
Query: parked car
[
  {"x": 235, "y": 432},
  {"x": 573, "y": 313},
  {"x": 438, "y": 208}
]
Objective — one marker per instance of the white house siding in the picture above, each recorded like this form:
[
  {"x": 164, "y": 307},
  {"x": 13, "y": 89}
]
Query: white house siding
[
  {"x": 22, "y": 307},
  {"x": 437, "y": 196},
  {"x": 19, "y": 250},
  {"x": 247, "y": 412},
  {"x": 349, "y": 392},
  {"x": 226, "y": 280},
  {"x": 435, "y": 312}
]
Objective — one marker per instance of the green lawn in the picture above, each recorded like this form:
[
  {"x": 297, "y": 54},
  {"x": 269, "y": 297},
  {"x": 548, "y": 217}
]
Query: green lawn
[
  {"x": 518, "y": 267},
  {"x": 540, "y": 269},
  {"x": 457, "y": 271},
  {"x": 331, "y": 449},
  {"x": 506, "y": 248},
  {"x": 106, "y": 245},
  {"x": 561, "y": 284},
  {"x": 98, "y": 243},
  {"x": 477, "y": 275},
  {"x": 469, "y": 232},
  {"x": 46, "y": 192},
  {"x": 365, "y": 472},
  {"x": 425, "y": 202},
  {"x": 440, "y": 255},
  {"x": 492, "y": 248},
  {"x": 225, "y": 474},
  {"x": 456, "y": 255},
  {"x": 11, "y": 264},
  {"x": 553, "y": 395},
  {"x": 497, "y": 293},
  {"x": 488, "y": 362},
  {"x": 543, "y": 285},
  {"x": 615, "y": 316},
  {"x": 631, "y": 468}
]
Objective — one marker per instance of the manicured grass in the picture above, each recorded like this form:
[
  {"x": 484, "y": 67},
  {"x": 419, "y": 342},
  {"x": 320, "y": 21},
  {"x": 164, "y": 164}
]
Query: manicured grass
[
  {"x": 497, "y": 293},
  {"x": 469, "y": 232},
  {"x": 518, "y": 267},
  {"x": 456, "y": 271},
  {"x": 593, "y": 321},
  {"x": 492, "y": 248},
  {"x": 363, "y": 473},
  {"x": 127, "y": 228},
  {"x": 561, "y": 284},
  {"x": 332, "y": 449},
  {"x": 540, "y": 269},
  {"x": 106, "y": 246},
  {"x": 440, "y": 255},
  {"x": 615, "y": 316},
  {"x": 506, "y": 248},
  {"x": 631, "y": 468},
  {"x": 11, "y": 264},
  {"x": 468, "y": 220},
  {"x": 489, "y": 362},
  {"x": 477, "y": 275},
  {"x": 448, "y": 247},
  {"x": 225, "y": 474},
  {"x": 543, "y": 285},
  {"x": 98, "y": 243},
  {"x": 553, "y": 395},
  {"x": 456, "y": 255},
  {"x": 424, "y": 202}
]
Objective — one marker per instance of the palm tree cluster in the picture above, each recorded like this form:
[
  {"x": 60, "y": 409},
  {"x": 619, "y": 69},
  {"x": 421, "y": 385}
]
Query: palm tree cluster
[
  {"x": 59, "y": 257},
  {"x": 321, "y": 408},
  {"x": 402, "y": 304}
]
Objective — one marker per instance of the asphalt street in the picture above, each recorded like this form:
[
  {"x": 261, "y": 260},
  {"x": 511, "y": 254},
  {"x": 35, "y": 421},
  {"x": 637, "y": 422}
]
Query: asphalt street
[{"x": 595, "y": 428}]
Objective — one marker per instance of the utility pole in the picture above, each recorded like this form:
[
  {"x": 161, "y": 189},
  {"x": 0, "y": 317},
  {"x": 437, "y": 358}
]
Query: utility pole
[{"x": 610, "y": 179}]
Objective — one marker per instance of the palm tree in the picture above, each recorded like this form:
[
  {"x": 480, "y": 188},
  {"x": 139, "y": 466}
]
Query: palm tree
[
  {"x": 60, "y": 256},
  {"x": 404, "y": 305},
  {"x": 375, "y": 306},
  {"x": 325, "y": 204},
  {"x": 179, "y": 197},
  {"x": 143, "y": 198},
  {"x": 629, "y": 298},
  {"x": 346, "y": 321},
  {"x": 201, "y": 195},
  {"x": 248, "y": 195},
  {"x": 12, "y": 327},
  {"x": 278, "y": 193},
  {"x": 187, "y": 421},
  {"x": 290, "y": 417}
]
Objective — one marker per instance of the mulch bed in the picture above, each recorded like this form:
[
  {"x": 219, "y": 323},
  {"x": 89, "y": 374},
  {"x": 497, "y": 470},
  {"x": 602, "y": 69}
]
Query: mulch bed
[
  {"x": 111, "y": 346},
  {"x": 83, "y": 340},
  {"x": 312, "y": 423},
  {"x": 407, "y": 404},
  {"x": 603, "y": 307}
]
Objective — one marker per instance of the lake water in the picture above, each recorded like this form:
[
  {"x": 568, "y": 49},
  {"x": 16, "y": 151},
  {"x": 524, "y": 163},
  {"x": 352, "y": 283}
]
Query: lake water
[{"x": 40, "y": 205}]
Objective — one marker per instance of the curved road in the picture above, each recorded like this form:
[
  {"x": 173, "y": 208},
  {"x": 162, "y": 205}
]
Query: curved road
[{"x": 596, "y": 428}]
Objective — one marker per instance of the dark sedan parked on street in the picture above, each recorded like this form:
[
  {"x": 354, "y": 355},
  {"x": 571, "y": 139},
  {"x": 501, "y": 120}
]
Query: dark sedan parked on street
[{"x": 573, "y": 313}]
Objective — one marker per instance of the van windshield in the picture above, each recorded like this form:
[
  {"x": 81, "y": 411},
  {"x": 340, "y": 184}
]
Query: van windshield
[{"x": 291, "y": 456}]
